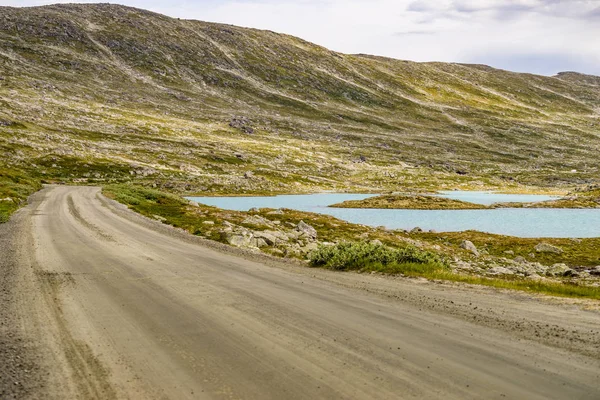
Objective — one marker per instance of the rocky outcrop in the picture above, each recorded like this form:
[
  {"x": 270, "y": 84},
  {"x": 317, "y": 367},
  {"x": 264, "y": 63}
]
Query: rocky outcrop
[
  {"x": 241, "y": 123},
  {"x": 294, "y": 240},
  {"x": 548, "y": 248},
  {"x": 560, "y": 270}
]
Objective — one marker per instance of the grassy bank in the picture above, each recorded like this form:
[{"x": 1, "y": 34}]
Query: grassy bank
[
  {"x": 15, "y": 187},
  {"x": 345, "y": 246},
  {"x": 574, "y": 252}
]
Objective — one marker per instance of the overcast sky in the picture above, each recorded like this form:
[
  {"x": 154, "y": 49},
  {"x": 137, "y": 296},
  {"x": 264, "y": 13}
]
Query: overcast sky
[{"x": 538, "y": 36}]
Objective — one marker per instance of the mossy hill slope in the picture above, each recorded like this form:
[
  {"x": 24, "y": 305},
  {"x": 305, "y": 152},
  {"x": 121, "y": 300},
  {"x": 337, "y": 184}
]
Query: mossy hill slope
[{"x": 110, "y": 93}]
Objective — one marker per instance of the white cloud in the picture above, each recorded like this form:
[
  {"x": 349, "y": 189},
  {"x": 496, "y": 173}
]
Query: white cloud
[{"x": 540, "y": 36}]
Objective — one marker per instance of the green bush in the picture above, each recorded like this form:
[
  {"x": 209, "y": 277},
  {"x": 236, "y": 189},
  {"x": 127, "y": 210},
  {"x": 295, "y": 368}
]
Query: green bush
[{"x": 376, "y": 257}]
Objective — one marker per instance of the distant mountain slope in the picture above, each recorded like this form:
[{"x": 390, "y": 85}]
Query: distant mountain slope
[{"x": 127, "y": 91}]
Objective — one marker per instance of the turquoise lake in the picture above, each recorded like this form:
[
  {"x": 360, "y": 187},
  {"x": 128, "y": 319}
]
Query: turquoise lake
[{"x": 560, "y": 223}]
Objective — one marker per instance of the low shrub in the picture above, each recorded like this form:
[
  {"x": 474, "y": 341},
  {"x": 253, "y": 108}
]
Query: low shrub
[{"x": 376, "y": 257}]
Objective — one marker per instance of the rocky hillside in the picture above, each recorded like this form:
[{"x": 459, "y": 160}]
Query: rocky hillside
[{"x": 105, "y": 92}]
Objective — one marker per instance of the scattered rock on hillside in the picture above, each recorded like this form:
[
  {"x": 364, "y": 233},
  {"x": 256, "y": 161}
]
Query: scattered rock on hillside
[
  {"x": 548, "y": 248},
  {"x": 469, "y": 246},
  {"x": 595, "y": 271},
  {"x": 242, "y": 123}
]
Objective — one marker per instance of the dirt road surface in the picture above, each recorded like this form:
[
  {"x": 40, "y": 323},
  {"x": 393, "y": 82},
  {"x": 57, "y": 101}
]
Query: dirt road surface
[{"x": 102, "y": 303}]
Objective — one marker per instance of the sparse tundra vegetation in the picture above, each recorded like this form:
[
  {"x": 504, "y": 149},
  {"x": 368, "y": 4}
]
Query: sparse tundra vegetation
[{"x": 161, "y": 107}]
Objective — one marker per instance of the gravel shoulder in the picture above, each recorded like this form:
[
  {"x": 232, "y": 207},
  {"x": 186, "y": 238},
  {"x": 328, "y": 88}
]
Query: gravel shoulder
[{"x": 104, "y": 303}]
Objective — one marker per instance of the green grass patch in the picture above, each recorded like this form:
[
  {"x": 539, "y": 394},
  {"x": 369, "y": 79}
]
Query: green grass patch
[
  {"x": 15, "y": 187},
  {"x": 168, "y": 208}
]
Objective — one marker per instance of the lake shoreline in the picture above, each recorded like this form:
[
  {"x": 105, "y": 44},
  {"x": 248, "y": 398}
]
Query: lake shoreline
[{"x": 517, "y": 222}]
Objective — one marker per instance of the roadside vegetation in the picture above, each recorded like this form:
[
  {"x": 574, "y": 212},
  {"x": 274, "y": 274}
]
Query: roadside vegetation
[
  {"x": 15, "y": 187},
  {"x": 369, "y": 256},
  {"x": 343, "y": 246}
]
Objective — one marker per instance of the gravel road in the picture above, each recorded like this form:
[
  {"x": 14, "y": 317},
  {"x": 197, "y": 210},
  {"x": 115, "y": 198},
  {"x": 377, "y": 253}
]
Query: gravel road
[{"x": 99, "y": 302}]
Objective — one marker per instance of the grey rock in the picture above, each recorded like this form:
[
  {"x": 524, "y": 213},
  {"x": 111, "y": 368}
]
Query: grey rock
[
  {"x": 208, "y": 222},
  {"x": 463, "y": 265},
  {"x": 239, "y": 240},
  {"x": 595, "y": 271},
  {"x": 306, "y": 229},
  {"x": 276, "y": 212},
  {"x": 520, "y": 260},
  {"x": 534, "y": 277},
  {"x": 469, "y": 246},
  {"x": 572, "y": 273},
  {"x": 548, "y": 248},
  {"x": 293, "y": 235},
  {"x": 256, "y": 220},
  {"x": 416, "y": 229},
  {"x": 559, "y": 270},
  {"x": 260, "y": 243},
  {"x": 376, "y": 242},
  {"x": 271, "y": 237},
  {"x": 500, "y": 271}
]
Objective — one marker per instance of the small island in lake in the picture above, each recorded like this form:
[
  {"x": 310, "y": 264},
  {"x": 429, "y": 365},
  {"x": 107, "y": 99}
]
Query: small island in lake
[
  {"x": 410, "y": 201},
  {"x": 588, "y": 197}
]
